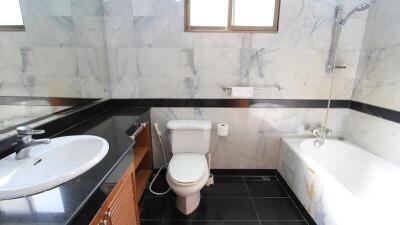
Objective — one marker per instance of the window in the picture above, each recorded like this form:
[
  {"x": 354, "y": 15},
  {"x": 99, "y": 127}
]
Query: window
[
  {"x": 11, "y": 16},
  {"x": 231, "y": 15}
]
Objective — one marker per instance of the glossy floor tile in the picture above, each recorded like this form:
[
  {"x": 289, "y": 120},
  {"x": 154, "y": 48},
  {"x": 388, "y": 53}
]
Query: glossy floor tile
[
  {"x": 215, "y": 208},
  {"x": 233, "y": 200},
  {"x": 284, "y": 222},
  {"x": 265, "y": 187},
  {"x": 228, "y": 186},
  {"x": 277, "y": 209}
]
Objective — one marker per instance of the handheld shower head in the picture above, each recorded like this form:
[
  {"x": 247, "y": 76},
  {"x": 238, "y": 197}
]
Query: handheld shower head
[{"x": 359, "y": 8}]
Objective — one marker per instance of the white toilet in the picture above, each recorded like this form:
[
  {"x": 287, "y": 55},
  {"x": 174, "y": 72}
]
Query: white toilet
[{"x": 188, "y": 169}]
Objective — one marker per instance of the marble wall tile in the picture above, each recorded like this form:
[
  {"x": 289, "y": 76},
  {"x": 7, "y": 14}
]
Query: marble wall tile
[
  {"x": 63, "y": 45},
  {"x": 377, "y": 80},
  {"x": 312, "y": 33},
  {"x": 117, "y": 8},
  {"x": 93, "y": 63},
  {"x": 119, "y": 32},
  {"x": 382, "y": 30},
  {"x": 208, "y": 70},
  {"x": 126, "y": 86},
  {"x": 161, "y": 87},
  {"x": 20, "y": 73},
  {"x": 203, "y": 63},
  {"x": 161, "y": 31},
  {"x": 10, "y": 39},
  {"x": 222, "y": 40},
  {"x": 86, "y": 8},
  {"x": 63, "y": 86},
  {"x": 93, "y": 87},
  {"x": 157, "y": 8},
  {"x": 54, "y": 61},
  {"x": 10, "y": 61},
  {"x": 14, "y": 115},
  {"x": 255, "y": 134},
  {"x": 47, "y": 31},
  {"x": 165, "y": 62},
  {"x": 22, "y": 85},
  {"x": 46, "y": 7},
  {"x": 122, "y": 66},
  {"x": 377, "y": 135},
  {"x": 89, "y": 32},
  {"x": 317, "y": 8}
]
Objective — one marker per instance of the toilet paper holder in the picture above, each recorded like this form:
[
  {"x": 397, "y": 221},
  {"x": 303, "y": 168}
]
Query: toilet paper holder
[{"x": 222, "y": 129}]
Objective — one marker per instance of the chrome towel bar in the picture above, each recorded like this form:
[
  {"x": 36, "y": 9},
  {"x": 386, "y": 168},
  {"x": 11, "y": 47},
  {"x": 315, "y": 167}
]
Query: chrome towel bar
[
  {"x": 138, "y": 130},
  {"x": 276, "y": 87}
]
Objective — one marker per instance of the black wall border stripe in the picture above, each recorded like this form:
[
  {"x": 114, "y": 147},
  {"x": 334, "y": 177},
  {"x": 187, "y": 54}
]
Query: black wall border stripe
[
  {"x": 231, "y": 103},
  {"x": 376, "y": 111},
  {"x": 380, "y": 112},
  {"x": 76, "y": 114}
]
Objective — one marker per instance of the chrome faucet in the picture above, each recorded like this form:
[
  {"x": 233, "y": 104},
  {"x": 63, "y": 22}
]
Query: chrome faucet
[
  {"x": 24, "y": 139},
  {"x": 320, "y": 132}
]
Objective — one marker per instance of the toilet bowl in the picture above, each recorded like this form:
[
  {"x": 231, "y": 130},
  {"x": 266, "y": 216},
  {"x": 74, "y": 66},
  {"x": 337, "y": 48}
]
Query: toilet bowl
[
  {"x": 188, "y": 170},
  {"x": 187, "y": 175}
]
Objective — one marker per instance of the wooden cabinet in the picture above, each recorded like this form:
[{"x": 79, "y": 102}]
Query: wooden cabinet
[
  {"x": 121, "y": 206},
  {"x": 142, "y": 160}
]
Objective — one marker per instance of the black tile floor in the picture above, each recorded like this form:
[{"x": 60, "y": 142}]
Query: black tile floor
[{"x": 232, "y": 200}]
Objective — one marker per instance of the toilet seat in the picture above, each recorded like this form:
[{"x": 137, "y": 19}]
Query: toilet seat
[{"x": 186, "y": 169}]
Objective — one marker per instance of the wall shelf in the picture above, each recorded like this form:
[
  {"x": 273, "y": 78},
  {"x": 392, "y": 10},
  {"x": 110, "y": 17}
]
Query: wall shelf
[
  {"x": 138, "y": 155},
  {"x": 142, "y": 176},
  {"x": 142, "y": 160}
]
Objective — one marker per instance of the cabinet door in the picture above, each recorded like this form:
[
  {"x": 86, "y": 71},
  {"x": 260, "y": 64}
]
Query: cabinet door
[
  {"x": 98, "y": 218},
  {"x": 121, "y": 206},
  {"x": 123, "y": 210}
]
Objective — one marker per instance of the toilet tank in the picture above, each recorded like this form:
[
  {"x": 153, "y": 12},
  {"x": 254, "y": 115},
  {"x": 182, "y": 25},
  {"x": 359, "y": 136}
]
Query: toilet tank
[{"x": 189, "y": 136}]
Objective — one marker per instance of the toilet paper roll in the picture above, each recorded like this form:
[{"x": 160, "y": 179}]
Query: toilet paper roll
[{"x": 222, "y": 129}]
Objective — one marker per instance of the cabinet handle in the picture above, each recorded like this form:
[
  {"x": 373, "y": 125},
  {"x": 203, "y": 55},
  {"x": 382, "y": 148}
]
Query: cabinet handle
[
  {"x": 108, "y": 213},
  {"x": 103, "y": 222}
]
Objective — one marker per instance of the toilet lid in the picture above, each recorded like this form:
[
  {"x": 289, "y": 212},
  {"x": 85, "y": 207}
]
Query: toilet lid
[{"x": 187, "y": 167}]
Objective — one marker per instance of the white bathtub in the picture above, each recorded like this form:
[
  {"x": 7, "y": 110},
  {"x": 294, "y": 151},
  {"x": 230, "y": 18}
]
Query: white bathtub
[{"x": 340, "y": 183}]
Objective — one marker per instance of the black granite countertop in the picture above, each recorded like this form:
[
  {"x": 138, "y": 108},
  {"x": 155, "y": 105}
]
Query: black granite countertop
[{"x": 76, "y": 201}]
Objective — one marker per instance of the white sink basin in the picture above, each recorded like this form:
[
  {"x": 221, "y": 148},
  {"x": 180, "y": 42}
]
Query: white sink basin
[{"x": 50, "y": 165}]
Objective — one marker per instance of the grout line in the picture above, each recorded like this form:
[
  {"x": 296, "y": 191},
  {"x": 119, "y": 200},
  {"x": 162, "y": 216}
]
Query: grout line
[
  {"x": 252, "y": 202},
  {"x": 272, "y": 197},
  {"x": 292, "y": 200},
  {"x": 232, "y": 220},
  {"x": 285, "y": 220}
]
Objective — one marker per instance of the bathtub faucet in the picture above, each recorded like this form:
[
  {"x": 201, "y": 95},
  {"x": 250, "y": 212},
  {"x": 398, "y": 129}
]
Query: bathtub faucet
[{"x": 320, "y": 132}]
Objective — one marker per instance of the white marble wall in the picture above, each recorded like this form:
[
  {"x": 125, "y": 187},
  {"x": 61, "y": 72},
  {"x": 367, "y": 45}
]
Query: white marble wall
[
  {"x": 255, "y": 133},
  {"x": 150, "y": 56},
  {"x": 61, "y": 54},
  {"x": 12, "y": 115},
  {"x": 378, "y": 82},
  {"x": 374, "y": 134},
  {"x": 378, "y": 78}
]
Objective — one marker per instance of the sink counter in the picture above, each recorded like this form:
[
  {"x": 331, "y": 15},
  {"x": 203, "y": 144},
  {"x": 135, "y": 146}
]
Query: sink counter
[{"x": 77, "y": 201}]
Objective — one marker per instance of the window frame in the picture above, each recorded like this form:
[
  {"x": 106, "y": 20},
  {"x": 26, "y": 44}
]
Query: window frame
[
  {"x": 231, "y": 28},
  {"x": 14, "y": 27}
]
